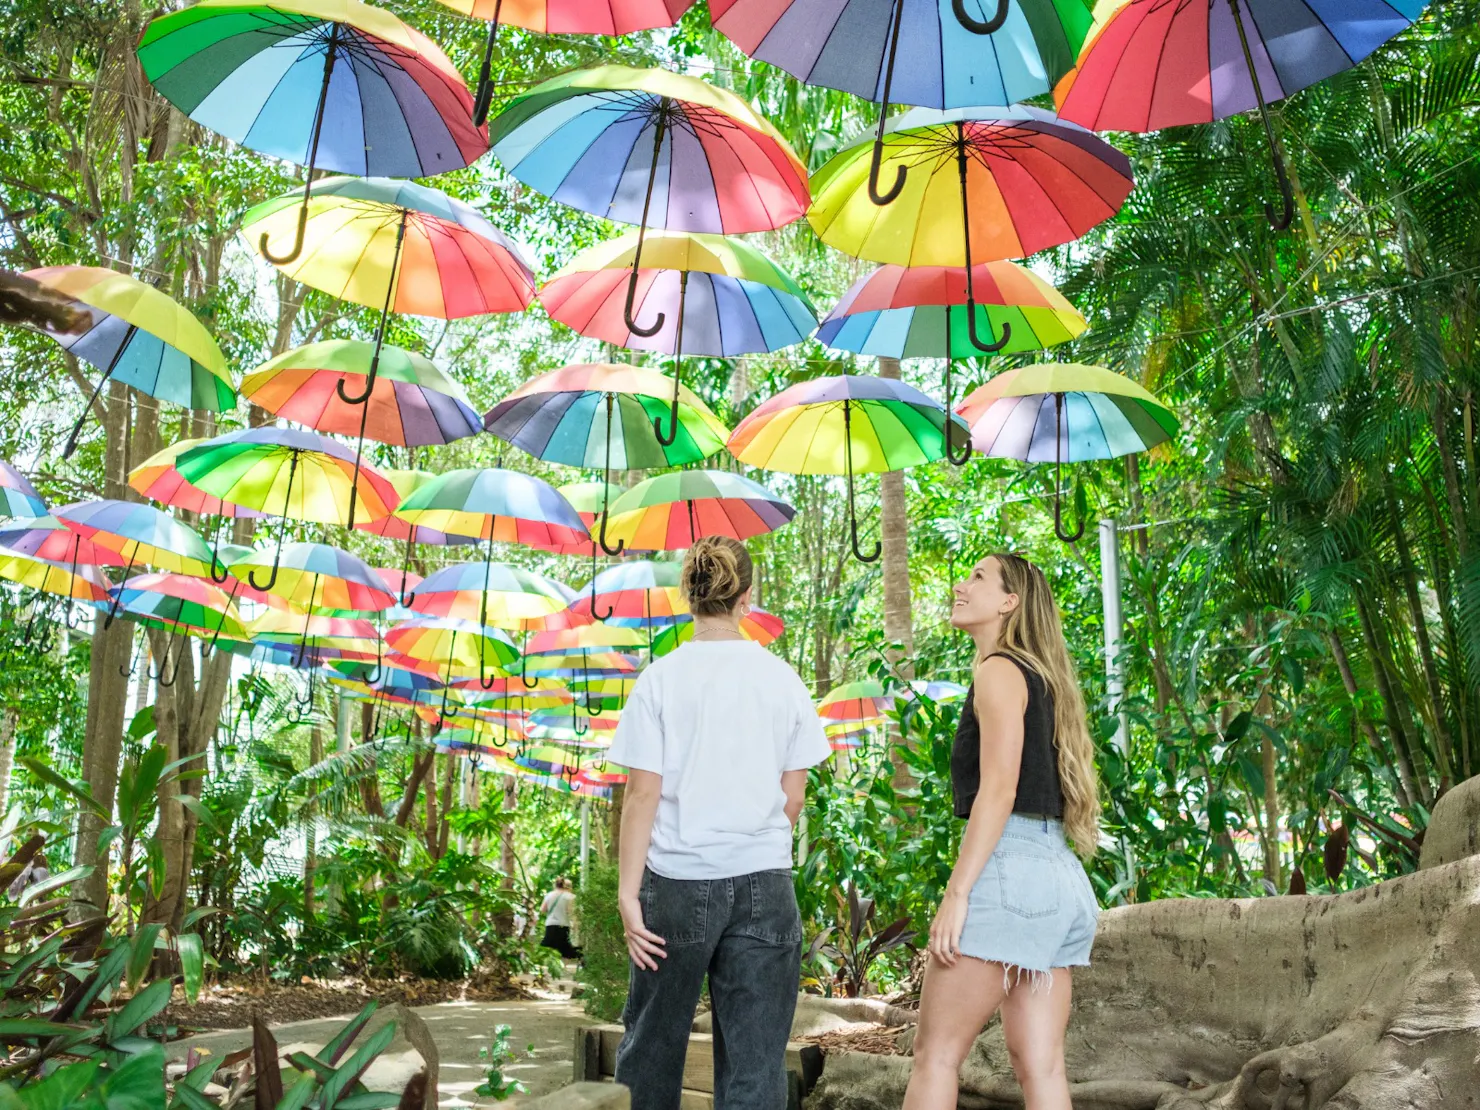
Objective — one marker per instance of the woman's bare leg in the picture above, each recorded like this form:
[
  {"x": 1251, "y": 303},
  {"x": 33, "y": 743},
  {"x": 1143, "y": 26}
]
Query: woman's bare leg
[
  {"x": 955, "y": 1005},
  {"x": 1034, "y": 1019}
]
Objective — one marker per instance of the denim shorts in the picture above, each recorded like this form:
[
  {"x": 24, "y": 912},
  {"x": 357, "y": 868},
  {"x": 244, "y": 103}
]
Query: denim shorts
[{"x": 1032, "y": 907}]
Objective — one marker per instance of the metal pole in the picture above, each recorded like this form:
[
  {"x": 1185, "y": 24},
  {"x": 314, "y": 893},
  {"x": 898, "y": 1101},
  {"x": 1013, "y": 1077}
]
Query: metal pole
[
  {"x": 585, "y": 839},
  {"x": 1114, "y": 630}
]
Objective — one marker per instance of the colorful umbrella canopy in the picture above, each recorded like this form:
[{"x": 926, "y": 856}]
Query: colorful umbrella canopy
[
  {"x": 412, "y": 403},
  {"x": 638, "y": 590},
  {"x": 401, "y": 247},
  {"x": 182, "y": 603},
  {"x": 724, "y": 296},
  {"x": 139, "y": 534},
  {"x": 1014, "y": 181},
  {"x": 494, "y": 505},
  {"x": 262, "y": 74},
  {"x": 1064, "y": 412},
  {"x": 456, "y": 648},
  {"x": 492, "y": 593},
  {"x": 855, "y": 701},
  {"x": 17, "y": 496},
  {"x": 584, "y": 137},
  {"x": 671, "y": 511},
  {"x": 1166, "y": 63},
  {"x": 158, "y": 479},
  {"x": 81, "y": 582},
  {"x": 293, "y": 474},
  {"x": 562, "y": 17},
  {"x": 142, "y": 338},
  {"x": 844, "y": 425},
  {"x": 589, "y": 499},
  {"x": 316, "y": 577},
  {"x": 394, "y": 528},
  {"x": 548, "y": 759},
  {"x": 758, "y": 625},
  {"x": 46, "y": 537},
  {"x": 946, "y": 56}
]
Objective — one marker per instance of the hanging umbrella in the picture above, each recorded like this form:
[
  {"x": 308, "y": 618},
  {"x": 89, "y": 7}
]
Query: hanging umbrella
[
  {"x": 953, "y": 58},
  {"x": 561, "y": 17},
  {"x": 601, "y": 415},
  {"x": 725, "y": 298},
  {"x": 288, "y": 473},
  {"x": 449, "y": 647},
  {"x": 397, "y": 246},
  {"x": 412, "y": 403},
  {"x": 1016, "y": 181},
  {"x": 47, "y": 538},
  {"x": 596, "y": 771},
  {"x": 180, "y": 605},
  {"x": 589, "y": 500},
  {"x": 158, "y": 479},
  {"x": 548, "y": 759},
  {"x": 138, "y": 534},
  {"x": 1168, "y": 63},
  {"x": 316, "y": 577},
  {"x": 583, "y": 138},
  {"x": 671, "y": 511},
  {"x": 330, "y": 638},
  {"x": 917, "y": 312},
  {"x": 73, "y": 581},
  {"x": 855, "y": 701},
  {"x": 394, "y": 528},
  {"x": 18, "y": 498},
  {"x": 251, "y": 71},
  {"x": 638, "y": 593},
  {"x": 758, "y": 625},
  {"x": 844, "y": 425},
  {"x": 1063, "y": 412},
  {"x": 140, "y": 337}
]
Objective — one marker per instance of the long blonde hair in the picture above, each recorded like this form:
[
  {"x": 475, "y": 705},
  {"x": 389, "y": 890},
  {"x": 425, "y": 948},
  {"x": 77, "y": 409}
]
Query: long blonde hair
[{"x": 1034, "y": 633}]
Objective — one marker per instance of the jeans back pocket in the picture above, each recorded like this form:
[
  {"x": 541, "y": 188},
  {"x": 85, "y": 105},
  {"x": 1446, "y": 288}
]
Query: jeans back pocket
[
  {"x": 1028, "y": 884},
  {"x": 676, "y": 909},
  {"x": 774, "y": 915}
]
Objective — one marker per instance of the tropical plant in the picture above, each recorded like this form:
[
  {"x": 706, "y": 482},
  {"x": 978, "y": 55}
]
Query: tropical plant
[{"x": 852, "y": 947}]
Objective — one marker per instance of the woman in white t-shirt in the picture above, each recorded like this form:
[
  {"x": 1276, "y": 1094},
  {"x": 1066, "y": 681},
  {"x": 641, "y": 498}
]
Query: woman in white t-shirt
[
  {"x": 717, "y": 737},
  {"x": 557, "y": 908}
]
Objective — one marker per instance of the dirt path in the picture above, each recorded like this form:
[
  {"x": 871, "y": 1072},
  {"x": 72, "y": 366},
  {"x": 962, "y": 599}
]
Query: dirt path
[{"x": 459, "y": 1029}]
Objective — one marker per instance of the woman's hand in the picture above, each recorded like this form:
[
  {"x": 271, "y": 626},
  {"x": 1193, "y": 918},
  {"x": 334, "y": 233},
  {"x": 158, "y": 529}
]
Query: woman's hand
[
  {"x": 945, "y": 930},
  {"x": 642, "y": 945}
]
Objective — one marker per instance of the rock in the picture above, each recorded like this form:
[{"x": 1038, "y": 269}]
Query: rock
[
  {"x": 1454, "y": 828},
  {"x": 816, "y": 1015}
]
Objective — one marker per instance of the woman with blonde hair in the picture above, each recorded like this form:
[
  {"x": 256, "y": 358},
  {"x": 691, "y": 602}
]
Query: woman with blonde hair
[
  {"x": 717, "y": 737},
  {"x": 1019, "y": 911}
]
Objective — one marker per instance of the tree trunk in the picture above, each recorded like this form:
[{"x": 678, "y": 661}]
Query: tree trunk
[
  {"x": 504, "y": 923},
  {"x": 8, "y": 722},
  {"x": 899, "y": 627},
  {"x": 444, "y": 826}
]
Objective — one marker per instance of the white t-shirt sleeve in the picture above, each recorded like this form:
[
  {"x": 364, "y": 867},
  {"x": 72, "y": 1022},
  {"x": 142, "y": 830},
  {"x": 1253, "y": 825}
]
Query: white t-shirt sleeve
[
  {"x": 809, "y": 745},
  {"x": 638, "y": 744}
]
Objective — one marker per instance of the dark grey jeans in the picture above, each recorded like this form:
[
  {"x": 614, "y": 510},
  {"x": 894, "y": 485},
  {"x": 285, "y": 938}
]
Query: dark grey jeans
[{"x": 745, "y": 933}]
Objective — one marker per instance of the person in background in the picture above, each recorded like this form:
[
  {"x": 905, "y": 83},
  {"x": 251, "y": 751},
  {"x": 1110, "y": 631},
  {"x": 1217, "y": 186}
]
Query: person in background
[
  {"x": 1018, "y": 910},
  {"x": 717, "y": 737},
  {"x": 557, "y": 908},
  {"x": 34, "y": 872}
]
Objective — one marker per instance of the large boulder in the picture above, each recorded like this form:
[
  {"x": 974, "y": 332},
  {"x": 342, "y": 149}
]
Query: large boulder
[
  {"x": 1454, "y": 828},
  {"x": 1367, "y": 1000},
  {"x": 816, "y": 1015}
]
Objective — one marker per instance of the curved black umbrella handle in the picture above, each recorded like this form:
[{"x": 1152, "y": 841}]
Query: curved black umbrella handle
[
  {"x": 852, "y": 512},
  {"x": 951, "y": 456},
  {"x": 277, "y": 557},
  {"x": 390, "y": 291},
  {"x": 442, "y": 717},
  {"x": 1058, "y": 496},
  {"x": 980, "y": 26},
  {"x": 976, "y": 340},
  {"x": 611, "y": 608},
  {"x": 524, "y": 648},
  {"x": 313, "y": 157},
  {"x": 672, "y": 436},
  {"x": 877, "y": 157},
  {"x": 659, "y": 131},
  {"x": 219, "y": 579},
  {"x": 984, "y": 348},
  {"x": 606, "y": 495},
  {"x": 1287, "y": 194},
  {"x": 158, "y": 675},
  {"x": 401, "y": 595},
  {"x": 118, "y": 597},
  {"x": 133, "y": 665}
]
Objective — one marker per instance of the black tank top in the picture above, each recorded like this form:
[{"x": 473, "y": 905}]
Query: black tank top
[{"x": 1038, "y": 787}]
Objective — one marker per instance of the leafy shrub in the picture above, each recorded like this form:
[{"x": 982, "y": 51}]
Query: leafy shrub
[{"x": 604, "y": 966}]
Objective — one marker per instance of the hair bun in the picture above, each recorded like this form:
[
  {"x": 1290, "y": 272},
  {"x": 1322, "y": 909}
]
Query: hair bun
[{"x": 716, "y": 571}]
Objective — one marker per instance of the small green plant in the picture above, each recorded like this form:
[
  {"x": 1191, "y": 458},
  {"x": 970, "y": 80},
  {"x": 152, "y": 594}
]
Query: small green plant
[
  {"x": 605, "y": 967},
  {"x": 496, "y": 1056},
  {"x": 849, "y": 950}
]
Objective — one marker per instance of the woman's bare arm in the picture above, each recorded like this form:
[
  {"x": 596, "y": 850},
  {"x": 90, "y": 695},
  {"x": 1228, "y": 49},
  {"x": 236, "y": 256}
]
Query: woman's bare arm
[
  {"x": 794, "y": 785},
  {"x": 639, "y": 809}
]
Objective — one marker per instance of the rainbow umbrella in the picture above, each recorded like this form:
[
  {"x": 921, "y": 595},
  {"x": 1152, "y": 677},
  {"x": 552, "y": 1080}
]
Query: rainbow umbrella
[
  {"x": 18, "y": 498},
  {"x": 397, "y": 246},
  {"x": 584, "y": 138},
  {"x": 249, "y": 71},
  {"x": 138, "y": 534},
  {"x": 548, "y": 759},
  {"x": 561, "y": 17},
  {"x": 181, "y": 605},
  {"x": 598, "y": 414},
  {"x": 596, "y": 771},
  {"x": 758, "y": 625},
  {"x": 671, "y": 511},
  {"x": 639, "y": 592},
  {"x": 288, "y": 473},
  {"x": 725, "y": 296},
  {"x": 451, "y": 647},
  {"x": 855, "y": 701},
  {"x": 316, "y": 577},
  {"x": 79, "y": 582},
  {"x": 1064, "y": 412},
  {"x": 331, "y": 638},
  {"x": 952, "y": 58},
  {"x": 901, "y": 312},
  {"x": 412, "y": 403},
  {"x": 158, "y": 479},
  {"x": 140, "y": 337},
  {"x": 572, "y": 648},
  {"x": 1167, "y": 63},
  {"x": 394, "y": 528},
  {"x": 1016, "y": 180},
  {"x": 47, "y": 538},
  {"x": 589, "y": 500},
  {"x": 844, "y": 425}
]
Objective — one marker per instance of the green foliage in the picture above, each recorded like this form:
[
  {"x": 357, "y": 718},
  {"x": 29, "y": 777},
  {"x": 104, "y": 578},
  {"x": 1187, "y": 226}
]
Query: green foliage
[
  {"x": 605, "y": 966},
  {"x": 496, "y": 1056}
]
